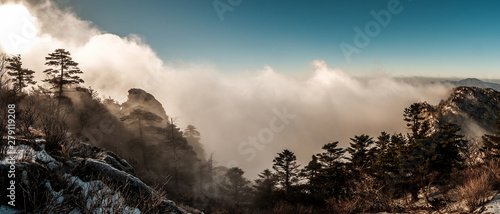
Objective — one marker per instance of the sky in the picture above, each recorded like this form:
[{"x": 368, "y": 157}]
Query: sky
[
  {"x": 424, "y": 38},
  {"x": 265, "y": 75}
]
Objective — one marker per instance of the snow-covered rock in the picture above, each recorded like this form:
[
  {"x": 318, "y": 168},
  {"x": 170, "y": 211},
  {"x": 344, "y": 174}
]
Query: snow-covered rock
[
  {"x": 493, "y": 206},
  {"x": 89, "y": 180},
  {"x": 474, "y": 109}
]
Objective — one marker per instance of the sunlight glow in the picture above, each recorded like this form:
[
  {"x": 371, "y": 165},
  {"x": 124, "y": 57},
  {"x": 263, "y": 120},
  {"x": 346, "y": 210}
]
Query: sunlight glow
[{"x": 18, "y": 29}]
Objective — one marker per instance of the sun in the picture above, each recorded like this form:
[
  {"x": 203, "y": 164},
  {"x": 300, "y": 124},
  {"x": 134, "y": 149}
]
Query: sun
[{"x": 18, "y": 28}]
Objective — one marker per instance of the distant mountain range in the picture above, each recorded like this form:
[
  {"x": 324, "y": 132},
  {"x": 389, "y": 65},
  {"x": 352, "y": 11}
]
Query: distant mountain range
[{"x": 475, "y": 83}]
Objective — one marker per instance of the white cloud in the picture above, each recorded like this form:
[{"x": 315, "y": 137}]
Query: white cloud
[{"x": 329, "y": 105}]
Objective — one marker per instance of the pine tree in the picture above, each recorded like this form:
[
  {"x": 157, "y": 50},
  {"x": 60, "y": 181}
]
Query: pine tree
[
  {"x": 416, "y": 161},
  {"x": 265, "y": 186},
  {"x": 142, "y": 118},
  {"x": 3, "y": 69},
  {"x": 383, "y": 155},
  {"x": 65, "y": 70},
  {"x": 331, "y": 178},
  {"x": 332, "y": 155},
  {"x": 20, "y": 76},
  {"x": 311, "y": 171},
  {"x": 492, "y": 142},
  {"x": 236, "y": 186},
  {"x": 449, "y": 148},
  {"x": 193, "y": 137},
  {"x": 387, "y": 164},
  {"x": 287, "y": 170},
  {"x": 416, "y": 121},
  {"x": 361, "y": 153},
  {"x": 181, "y": 157}
]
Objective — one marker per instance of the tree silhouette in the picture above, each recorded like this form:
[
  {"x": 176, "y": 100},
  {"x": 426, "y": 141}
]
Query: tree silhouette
[
  {"x": 236, "y": 185},
  {"x": 3, "y": 69},
  {"x": 193, "y": 137},
  {"x": 65, "y": 70},
  {"x": 265, "y": 186},
  {"x": 141, "y": 118},
  {"x": 492, "y": 142},
  {"x": 361, "y": 154},
  {"x": 448, "y": 149},
  {"x": 20, "y": 76},
  {"x": 287, "y": 169},
  {"x": 331, "y": 178},
  {"x": 416, "y": 121}
]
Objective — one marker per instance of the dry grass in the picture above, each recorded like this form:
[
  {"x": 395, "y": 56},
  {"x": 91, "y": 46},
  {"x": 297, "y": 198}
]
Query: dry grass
[
  {"x": 368, "y": 196},
  {"x": 283, "y": 207},
  {"x": 343, "y": 205},
  {"x": 477, "y": 185}
]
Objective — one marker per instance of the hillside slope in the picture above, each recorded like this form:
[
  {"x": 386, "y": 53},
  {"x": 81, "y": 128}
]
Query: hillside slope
[{"x": 475, "y": 109}]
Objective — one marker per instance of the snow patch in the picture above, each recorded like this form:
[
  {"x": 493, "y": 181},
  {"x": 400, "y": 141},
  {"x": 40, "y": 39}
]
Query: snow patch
[
  {"x": 493, "y": 206},
  {"x": 99, "y": 194},
  {"x": 8, "y": 210}
]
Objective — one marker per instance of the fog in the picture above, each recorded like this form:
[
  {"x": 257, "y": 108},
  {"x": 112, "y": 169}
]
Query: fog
[{"x": 244, "y": 118}]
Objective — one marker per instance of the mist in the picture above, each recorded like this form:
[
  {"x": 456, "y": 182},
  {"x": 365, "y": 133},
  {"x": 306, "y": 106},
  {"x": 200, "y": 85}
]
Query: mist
[{"x": 244, "y": 118}]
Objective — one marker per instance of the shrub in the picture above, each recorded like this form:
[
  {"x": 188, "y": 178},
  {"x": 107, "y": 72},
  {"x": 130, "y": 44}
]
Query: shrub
[{"x": 476, "y": 186}]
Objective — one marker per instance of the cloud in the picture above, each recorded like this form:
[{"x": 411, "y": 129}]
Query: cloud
[{"x": 231, "y": 110}]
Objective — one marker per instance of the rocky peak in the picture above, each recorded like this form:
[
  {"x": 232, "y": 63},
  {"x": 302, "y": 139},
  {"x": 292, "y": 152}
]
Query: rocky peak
[
  {"x": 471, "y": 107},
  {"x": 140, "y": 99}
]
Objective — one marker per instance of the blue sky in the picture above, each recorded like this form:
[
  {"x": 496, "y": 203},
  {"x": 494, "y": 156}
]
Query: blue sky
[{"x": 427, "y": 38}]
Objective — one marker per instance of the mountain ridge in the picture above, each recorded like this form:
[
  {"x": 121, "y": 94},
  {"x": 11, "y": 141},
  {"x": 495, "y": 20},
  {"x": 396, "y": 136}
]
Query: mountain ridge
[
  {"x": 474, "y": 108},
  {"x": 473, "y": 82}
]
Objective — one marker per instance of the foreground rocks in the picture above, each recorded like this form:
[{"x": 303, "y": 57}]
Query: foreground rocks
[{"x": 90, "y": 180}]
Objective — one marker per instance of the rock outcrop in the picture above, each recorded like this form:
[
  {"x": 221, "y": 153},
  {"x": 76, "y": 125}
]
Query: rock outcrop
[
  {"x": 87, "y": 180},
  {"x": 475, "y": 109},
  {"x": 140, "y": 99}
]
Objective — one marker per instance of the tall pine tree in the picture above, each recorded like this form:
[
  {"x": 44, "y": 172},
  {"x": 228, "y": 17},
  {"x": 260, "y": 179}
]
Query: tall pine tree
[
  {"x": 331, "y": 180},
  {"x": 236, "y": 186},
  {"x": 492, "y": 142},
  {"x": 265, "y": 186},
  {"x": 361, "y": 153},
  {"x": 448, "y": 149},
  {"x": 20, "y": 76},
  {"x": 142, "y": 119},
  {"x": 64, "y": 72},
  {"x": 415, "y": 162},
  {"x": 193, "y": 137},
  {"x": 287, "y": 170}
]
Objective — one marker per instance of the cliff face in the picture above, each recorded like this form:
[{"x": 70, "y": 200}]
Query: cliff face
[
  {"x": 83, "y": 179},
  {"x": 475, "y": 109},
  {"x": 140, "y": 99}
]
